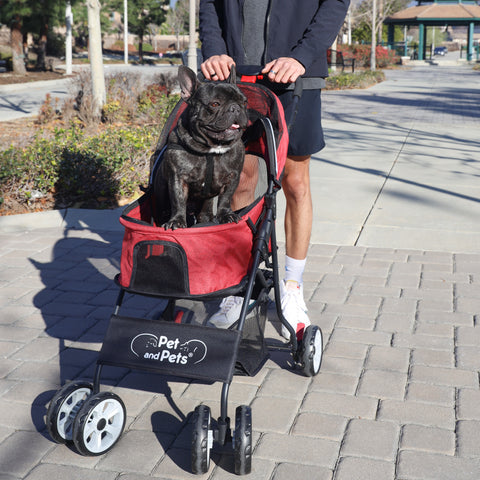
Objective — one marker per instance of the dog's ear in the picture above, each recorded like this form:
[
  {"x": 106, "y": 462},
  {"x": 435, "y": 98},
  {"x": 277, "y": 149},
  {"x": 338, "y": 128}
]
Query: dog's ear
[
  {"x": 233, "y": 75},
  {"x": 188, "y": 82}
]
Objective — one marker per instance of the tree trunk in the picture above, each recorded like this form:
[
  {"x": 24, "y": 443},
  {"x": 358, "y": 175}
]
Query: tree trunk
[
  {"x": 96, "y": 58},
  {"x": 42, "y": 48},
  {"x": 140, "y": 48},
  {"x": 16, "y": 42}
]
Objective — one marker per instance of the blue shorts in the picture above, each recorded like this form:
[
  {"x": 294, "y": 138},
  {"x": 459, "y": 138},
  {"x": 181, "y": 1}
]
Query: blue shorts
[{"x": 306, "y": 132}]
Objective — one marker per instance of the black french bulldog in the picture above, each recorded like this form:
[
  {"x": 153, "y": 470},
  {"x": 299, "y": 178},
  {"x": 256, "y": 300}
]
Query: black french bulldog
[{"x": 204, "y": 155}]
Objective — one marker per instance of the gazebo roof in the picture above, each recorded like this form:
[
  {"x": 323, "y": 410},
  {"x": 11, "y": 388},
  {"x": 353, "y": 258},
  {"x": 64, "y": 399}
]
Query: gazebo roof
[{"x": 437, "y": 13}]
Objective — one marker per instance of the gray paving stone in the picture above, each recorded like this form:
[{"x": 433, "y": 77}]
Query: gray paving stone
[
  {"x": 283, "y": 384},
  {"x": 177, "y": 465},
  {"x": 21, "y": 416},
  {"x": 346, "y": 349},
  {"x": 388, "y": 358},
  {"x": 439, "y": 330},
  {"x": 360, "y": 323},
  {"x": 448, "y": 318},
  {"x": 7, "y": 366},
  {"x": 383, "y": 384},
  {"x": 298, "y": 450},
  {"x": 370, "y": 438},
  {"x": 414, "y": 340},
  {"x": 428, "y": 466},
  {"x": 318, "y": 425},
  {"x": 467, "y": 358},
  {"x": 395, "y": 322},
  {"x": 444, "y": 376},
  {"x": 162, "y": 414},
  {"x": 434, "y": 394},
  {"x": 344, "y": 405},
  {"x": 50, "y": 471},
  {"x": 428, "y": 439},
  {"x": 468, "y": 336},
  {"x": 287, "y": 471},
  {"x": 417, "y": 413},
  {"x": 353, "y": 468},
  {"x": 63, "y": 455},
  {"x": 341, "y": 365},
  {"x": 433, "y": 358},
  {"x": 334, "y": 383},
  {"x": 21, "y": 452},
  {"x": 136, "y": 451},
  {"x": 468, "y": 438},
  {"x": 467, "y": 405},
  {"x": 281, "y": 422}
]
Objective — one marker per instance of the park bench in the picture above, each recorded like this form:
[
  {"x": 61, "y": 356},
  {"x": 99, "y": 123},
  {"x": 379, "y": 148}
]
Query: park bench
[{"x": 337, "y": 59}]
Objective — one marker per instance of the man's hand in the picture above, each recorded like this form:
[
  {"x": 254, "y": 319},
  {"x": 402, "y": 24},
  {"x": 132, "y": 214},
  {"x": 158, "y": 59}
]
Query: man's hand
[
  {"x": 284, "y": 70},
  {"x": 217, "y": 67}
]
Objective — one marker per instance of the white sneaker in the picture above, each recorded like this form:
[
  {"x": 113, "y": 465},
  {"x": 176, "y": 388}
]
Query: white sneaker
[
  {"x": 293, "y": 308},
  {"x": 228, "y": 314}
]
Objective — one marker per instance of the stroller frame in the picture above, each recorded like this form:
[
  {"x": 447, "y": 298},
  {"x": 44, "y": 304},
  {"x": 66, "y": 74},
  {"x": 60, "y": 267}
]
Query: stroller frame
[{"x": 78, "y": 404}]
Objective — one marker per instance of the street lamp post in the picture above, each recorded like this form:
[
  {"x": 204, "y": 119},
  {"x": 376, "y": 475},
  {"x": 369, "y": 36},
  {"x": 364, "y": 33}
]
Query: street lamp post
[
  {"x": 125, "y": 31},
  {"x": 68, "y": 39},
  {"x": 192, "y": 47}
]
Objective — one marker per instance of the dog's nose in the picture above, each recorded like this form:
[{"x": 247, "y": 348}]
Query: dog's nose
[{"x": 234, "y": 108}]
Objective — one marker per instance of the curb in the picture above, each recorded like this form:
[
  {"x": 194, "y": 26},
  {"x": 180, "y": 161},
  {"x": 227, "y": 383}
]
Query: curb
[
  {"x": 73, "y": 218},
  {"x": 29, "y": 85}
]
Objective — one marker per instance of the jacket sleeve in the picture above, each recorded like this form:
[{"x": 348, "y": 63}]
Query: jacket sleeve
[
  {"x": 213, "y": 43},
  {"x": 322, "y": 31}
]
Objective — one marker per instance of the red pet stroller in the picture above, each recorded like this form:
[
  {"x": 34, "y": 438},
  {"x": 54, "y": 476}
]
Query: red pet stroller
[{"x": 196, "y": 265}]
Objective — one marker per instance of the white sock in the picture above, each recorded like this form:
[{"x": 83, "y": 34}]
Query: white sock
[{"x": 294, "y": 269}]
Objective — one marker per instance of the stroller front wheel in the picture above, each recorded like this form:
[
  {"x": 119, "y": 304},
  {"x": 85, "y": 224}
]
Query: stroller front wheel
[
  {"x": 312, "y": 350},
  {"x": 63, "y": 409},
  {"x": 202, "y": 439},
  {"x": 99, "y": 424}
]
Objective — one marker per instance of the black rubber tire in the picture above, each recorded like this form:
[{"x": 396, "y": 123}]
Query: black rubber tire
[
  {"x": 242, "y": 439},
  {"x": 202, "y": 420},
  {"x": 312, "y": 350},
  {"x": 99, "y": 424},
  {"x": 63, "y": 409}
]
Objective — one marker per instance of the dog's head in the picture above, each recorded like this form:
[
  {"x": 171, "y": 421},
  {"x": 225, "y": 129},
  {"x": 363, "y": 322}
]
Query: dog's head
[{"x": 216, "y": 114}]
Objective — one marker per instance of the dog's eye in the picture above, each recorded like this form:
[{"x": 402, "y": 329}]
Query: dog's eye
[{"x": 214, "y": 104}]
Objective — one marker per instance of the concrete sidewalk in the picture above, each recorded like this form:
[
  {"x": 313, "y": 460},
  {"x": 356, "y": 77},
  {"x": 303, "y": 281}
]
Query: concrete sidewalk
[{"x": 392, "y": 279}]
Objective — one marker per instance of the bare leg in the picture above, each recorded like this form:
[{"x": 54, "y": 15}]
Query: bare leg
[
  {"x": 299, "y": 211},
  {"x": 245, "y": 192}
]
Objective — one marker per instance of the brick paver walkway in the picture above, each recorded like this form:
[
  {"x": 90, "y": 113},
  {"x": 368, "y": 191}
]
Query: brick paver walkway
[{"x": 397, "y": 396}]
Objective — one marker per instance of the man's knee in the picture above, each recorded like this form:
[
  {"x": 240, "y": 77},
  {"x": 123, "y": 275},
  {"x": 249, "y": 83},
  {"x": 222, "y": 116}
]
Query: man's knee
[{"x": 296, "y": 179}]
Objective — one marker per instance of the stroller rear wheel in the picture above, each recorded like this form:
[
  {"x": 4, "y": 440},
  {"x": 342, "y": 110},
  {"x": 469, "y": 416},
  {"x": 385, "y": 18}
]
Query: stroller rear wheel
[
  {"x": 99, "y": 424},
  {"x": 312, "y": 350},
  {"x": 63, "y": 409},
  {"x": 202, "y": 439},
  {"x": 242, "y": 439}
]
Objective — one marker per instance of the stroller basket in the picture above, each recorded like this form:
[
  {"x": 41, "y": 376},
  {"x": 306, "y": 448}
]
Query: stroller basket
[{"x": 187, "y": 262}]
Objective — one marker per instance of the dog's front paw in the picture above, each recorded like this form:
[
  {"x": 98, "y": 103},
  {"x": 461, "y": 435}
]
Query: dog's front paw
[
  {"x": 228, "y": 217},
  {"x": 174, "y": 223}
]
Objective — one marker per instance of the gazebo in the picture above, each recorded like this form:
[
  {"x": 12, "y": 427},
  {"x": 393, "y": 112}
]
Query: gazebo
[{"x": 437, "y": 13}]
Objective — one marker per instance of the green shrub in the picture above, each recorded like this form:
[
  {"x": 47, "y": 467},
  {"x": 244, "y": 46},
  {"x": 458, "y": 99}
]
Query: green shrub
[
  {"x": 76, "y": 168},
  {"x": 355, "y": 80}
]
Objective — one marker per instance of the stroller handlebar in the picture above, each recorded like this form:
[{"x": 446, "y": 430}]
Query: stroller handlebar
[{"x": 253, "y": 73}]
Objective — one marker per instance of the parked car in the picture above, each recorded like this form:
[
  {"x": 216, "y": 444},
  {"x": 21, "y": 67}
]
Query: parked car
[{"x": 440, "y": 51}]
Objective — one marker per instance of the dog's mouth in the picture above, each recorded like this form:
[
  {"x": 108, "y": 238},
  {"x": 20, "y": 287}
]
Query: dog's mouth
[{"x": 233, "y": 127}]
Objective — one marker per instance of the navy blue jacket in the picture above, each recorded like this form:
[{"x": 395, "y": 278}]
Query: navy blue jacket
[{"x": 302, "y": 29}]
